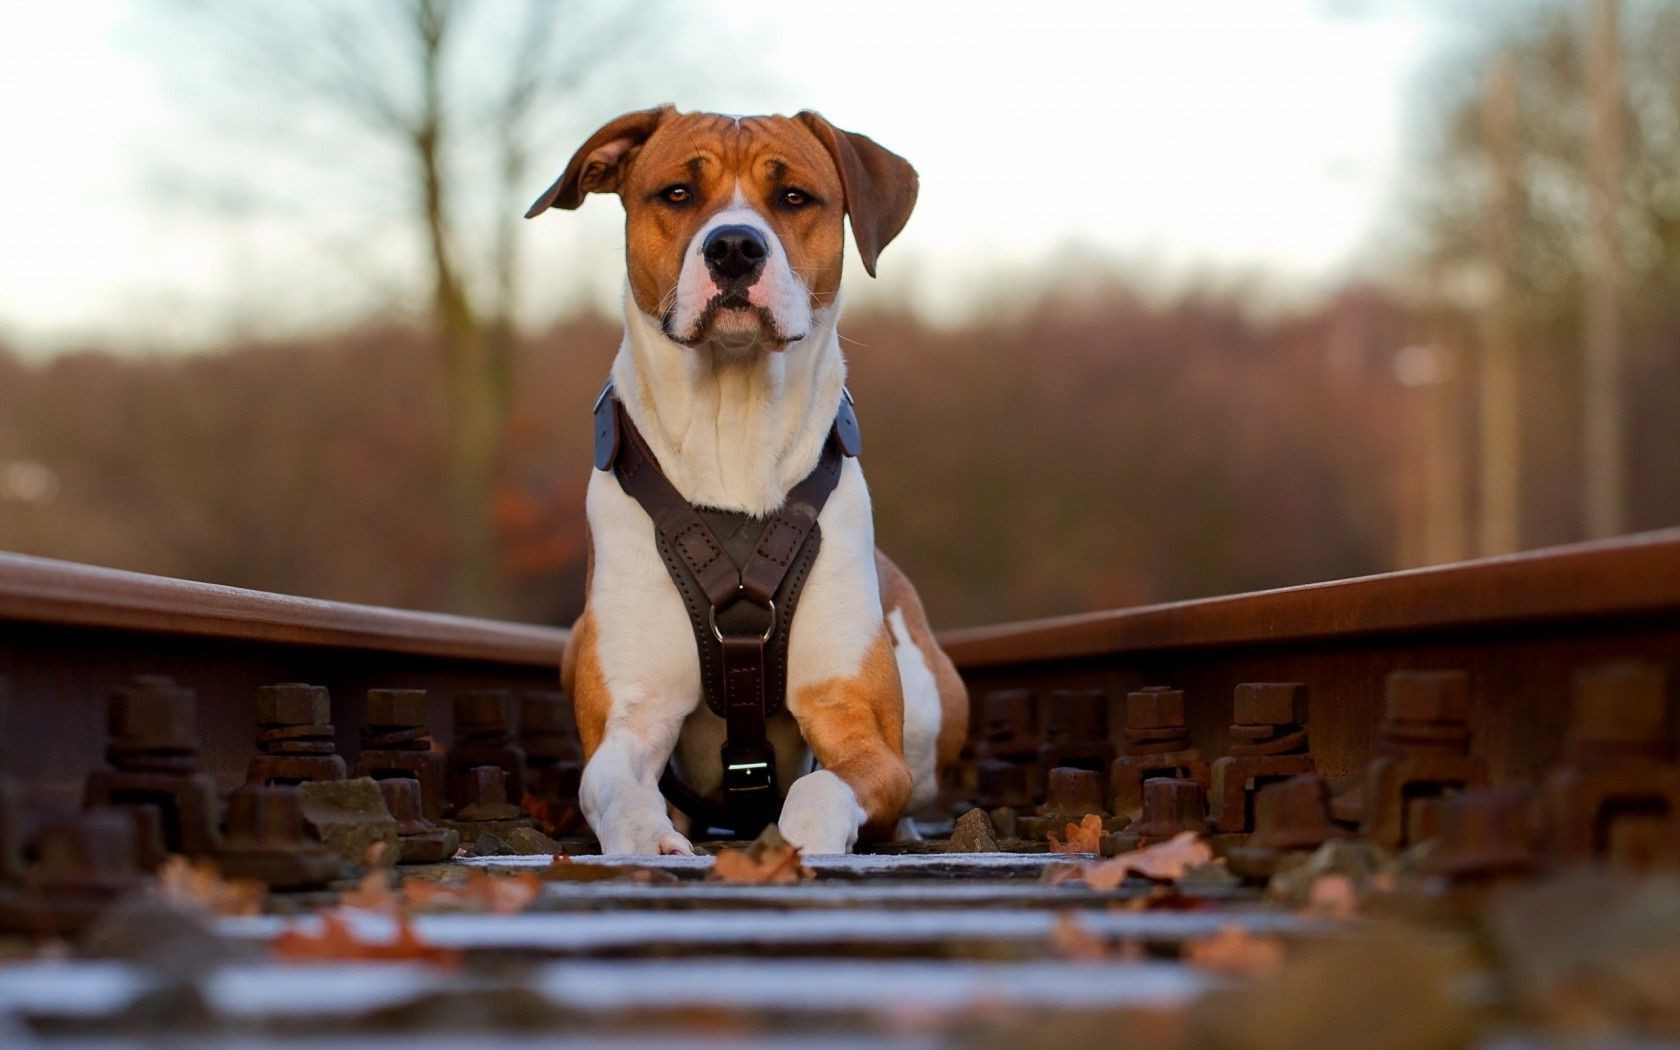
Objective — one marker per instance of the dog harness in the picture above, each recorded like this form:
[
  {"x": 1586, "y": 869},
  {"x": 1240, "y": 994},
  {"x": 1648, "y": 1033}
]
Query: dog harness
[{"x": 739, "y": 577}]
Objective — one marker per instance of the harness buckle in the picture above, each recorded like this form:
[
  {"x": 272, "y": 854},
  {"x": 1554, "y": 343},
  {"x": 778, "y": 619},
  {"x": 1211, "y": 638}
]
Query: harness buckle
[
  {"x": 717, "y": 632},
  {"x": 757, "y": 775}
]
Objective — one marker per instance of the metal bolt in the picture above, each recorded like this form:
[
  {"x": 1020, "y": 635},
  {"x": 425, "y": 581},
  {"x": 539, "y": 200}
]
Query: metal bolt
[
  {"x": 293, "y": 704},
  {"x": 402, "y": 798},
  {"x": 265, "y": 813},
  {"x": 1155, "y": 707},
  {"x": 1293, "y": 814},
  {"x": 396, "y": 707},
  {"x": 1074, "y": 716},
  {"x": 153, "y": 712},
  {"x": 1007, "y": 715},
  {"x": 1074, "y": 792},
  {"x": 546, "y": 712},
  {"x": 1270, "y": 704},
  {"x": 487, "y": 786},
  {"x": 1485, "y": 831},
  {"x": 482, "y": 711},
  {"x": 1171, "y": 805}
]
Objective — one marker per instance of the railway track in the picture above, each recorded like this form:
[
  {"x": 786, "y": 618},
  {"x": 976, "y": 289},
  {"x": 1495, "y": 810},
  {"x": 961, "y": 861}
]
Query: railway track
[{"x": 1430, "y": 808}]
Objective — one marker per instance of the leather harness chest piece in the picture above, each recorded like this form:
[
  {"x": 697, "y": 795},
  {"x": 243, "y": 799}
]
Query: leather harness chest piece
[{"x": 740, "y": 578}]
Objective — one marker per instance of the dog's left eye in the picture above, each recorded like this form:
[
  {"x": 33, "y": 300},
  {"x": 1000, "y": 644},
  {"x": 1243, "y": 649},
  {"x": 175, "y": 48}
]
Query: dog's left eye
[
  {"x": 677, "y": 194},
  {"x": 795, "y": 198}
]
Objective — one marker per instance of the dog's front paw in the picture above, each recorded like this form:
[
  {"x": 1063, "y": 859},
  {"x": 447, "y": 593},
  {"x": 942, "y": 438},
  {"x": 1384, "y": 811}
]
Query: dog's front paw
[
  {"x": 821, "y": 814},
  {"x": 643, "y": 838}
]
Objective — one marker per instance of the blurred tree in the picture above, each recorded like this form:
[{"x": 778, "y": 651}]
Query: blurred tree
[
  {"x": 439, "y": 84},
  {"x": 1553, "y": 215}
]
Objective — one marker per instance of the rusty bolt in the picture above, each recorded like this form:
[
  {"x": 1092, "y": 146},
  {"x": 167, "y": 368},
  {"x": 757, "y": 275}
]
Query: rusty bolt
[
  {"x": 486, "y": 709},
  {"x": 1073, "y": 791},
  {"x": 396, "y": 707},
  {"x": 93, "y": 847},
  {"x": 1002, "y": 784},
  {"x": 1076, "y": 716},
  {"x": 1007, "y": 715},
  {"x": 488, "y": 786},
  {"x": 1293, "y": 814},
  {"x": 265, "y": 813},
  {"x": 402, "y": 798},
  {"x": 1483, "y": 831},
  {"x": 293, "y": 704},
  {"x": 1428, "y": 696},
  {"x": 1620, "y": 703},
  {"x": 546, "y": 712},
  {"x": 1171, "y": 805},
  {"x": 1155, "y": 707},
  {"x": 1270, "y": 704},
  {"x": 152, "y": 711}
]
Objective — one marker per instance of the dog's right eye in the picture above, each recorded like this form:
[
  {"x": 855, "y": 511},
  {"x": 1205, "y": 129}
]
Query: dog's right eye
[{"x": 676, "y": 194}]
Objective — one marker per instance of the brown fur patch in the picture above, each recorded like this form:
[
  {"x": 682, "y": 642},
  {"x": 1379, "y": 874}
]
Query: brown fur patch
[
  {"x": 898, "y": 593},
  {"x": 582, "y": 677},
  {"x": 855, "y": 728}
]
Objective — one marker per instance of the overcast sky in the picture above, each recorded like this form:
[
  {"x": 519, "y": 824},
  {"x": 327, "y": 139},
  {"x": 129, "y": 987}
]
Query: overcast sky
[{"x": 1261, "y": 136}]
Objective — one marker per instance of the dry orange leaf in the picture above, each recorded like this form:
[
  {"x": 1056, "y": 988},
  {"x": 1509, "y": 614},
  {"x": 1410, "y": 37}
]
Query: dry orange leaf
[
  {"x": 1083, "y": 837},
  {"x": 337, "y": 942},
  {"x": 1072, "y": 939},
  {"x": 198, "y": 885},
  {"x": 373, "y": 893},
  {"x": 552, "y": 820},
  {"x": 1164, "y": 862},
  {"x": 1235, "y": 952},
  {"x": 769, "y": 859},
  {"x": 1332, "y": 896},
  {"x": 497, "y": 894}
]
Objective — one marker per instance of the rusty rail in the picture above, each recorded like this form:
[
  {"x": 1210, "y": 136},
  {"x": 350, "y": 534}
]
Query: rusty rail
[
  {"x": 1521, "y": 626},
  {"x": 70, "y": 634}
]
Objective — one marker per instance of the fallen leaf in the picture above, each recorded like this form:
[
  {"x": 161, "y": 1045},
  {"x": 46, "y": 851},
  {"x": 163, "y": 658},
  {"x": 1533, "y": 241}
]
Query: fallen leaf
[
  {"x": 1072, "y": 939},
  {"x": 481, "y": 892},
  {"x": 1164, "y": 862},
  {"x": 1083, "y": 837},
  {"x": 1235, "y": 952},
  {"x": 373, "y": 893},
  {"x": 552, "y": 820},
  {"x": 770, "y": 859},
  {"x": 198, "y": 886},
  {"x": 1332, "y": 896},
  {"x": 337, "y": 941},
  {"x": 563, "y": 869}
]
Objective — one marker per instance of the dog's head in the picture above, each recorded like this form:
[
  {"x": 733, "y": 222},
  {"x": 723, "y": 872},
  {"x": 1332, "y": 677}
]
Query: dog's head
[{"x": 733, "y": 224}]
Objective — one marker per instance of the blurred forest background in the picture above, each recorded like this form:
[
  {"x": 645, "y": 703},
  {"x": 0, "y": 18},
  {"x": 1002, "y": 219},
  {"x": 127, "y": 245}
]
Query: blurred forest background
[{"x": 1503, "y": 373}]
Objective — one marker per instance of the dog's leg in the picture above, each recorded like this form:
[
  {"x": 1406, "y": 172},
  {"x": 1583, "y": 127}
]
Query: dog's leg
[
  {"x": 620, "y": 789},
  {"x": 628, "y": 734},
  {"x": 855, "y": 727}
]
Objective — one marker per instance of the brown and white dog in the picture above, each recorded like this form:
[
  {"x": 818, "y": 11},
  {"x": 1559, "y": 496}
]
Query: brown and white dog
[{"x": 731, "y": 370}]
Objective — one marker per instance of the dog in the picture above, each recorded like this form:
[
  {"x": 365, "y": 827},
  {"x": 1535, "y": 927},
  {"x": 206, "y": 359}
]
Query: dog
[{"x": 731, "y": 371}]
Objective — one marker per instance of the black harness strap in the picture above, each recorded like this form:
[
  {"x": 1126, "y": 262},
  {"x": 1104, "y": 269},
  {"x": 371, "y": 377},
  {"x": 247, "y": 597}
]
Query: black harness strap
[{"x": 739, "y": 578}]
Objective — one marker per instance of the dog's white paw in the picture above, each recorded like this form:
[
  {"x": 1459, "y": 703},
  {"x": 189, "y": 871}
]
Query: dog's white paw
[
  {"x": 642, "y": 837},
  {"x": 821, "y": 814}
]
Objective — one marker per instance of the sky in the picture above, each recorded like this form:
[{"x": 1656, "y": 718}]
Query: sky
[{"x": 1260, "y": 137}]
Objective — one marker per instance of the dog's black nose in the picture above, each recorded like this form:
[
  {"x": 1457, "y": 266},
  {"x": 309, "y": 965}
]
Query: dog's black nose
[{"x": 735, "y": 253}]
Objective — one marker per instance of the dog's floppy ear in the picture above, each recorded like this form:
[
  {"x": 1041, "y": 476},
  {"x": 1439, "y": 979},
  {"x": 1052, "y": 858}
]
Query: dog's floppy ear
[
  {"x": 880, "y": 185},
  {"x": 599, "y": 164}
]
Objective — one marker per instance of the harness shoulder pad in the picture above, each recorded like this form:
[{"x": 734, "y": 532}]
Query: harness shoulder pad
[
  {"x": 846, "y": 426},
  {"x": 606, "y": 428}
]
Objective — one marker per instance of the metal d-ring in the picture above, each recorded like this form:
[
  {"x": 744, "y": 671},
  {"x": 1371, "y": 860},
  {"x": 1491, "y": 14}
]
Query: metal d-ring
[{"x": 768, "y": 631}]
